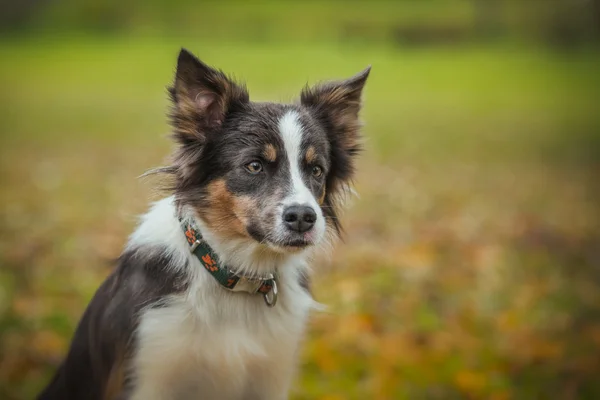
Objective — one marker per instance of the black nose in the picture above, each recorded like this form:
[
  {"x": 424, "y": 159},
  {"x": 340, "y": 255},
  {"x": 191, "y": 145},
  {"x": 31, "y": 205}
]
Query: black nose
[{"x": 299, "y": 218}]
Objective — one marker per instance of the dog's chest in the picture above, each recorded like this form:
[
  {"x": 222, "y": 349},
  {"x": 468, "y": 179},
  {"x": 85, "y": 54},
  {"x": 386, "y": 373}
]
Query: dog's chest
[{"x": 225, "y": 346}]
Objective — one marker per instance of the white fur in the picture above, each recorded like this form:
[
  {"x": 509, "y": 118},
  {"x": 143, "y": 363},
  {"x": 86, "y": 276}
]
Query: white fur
[
  {"x": 207, "y": 342},
  {"x": 291, "y": 132},
  {"x": 159, "y": 226}
]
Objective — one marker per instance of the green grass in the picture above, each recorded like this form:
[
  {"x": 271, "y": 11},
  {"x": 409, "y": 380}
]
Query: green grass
[
  {"x": 271, "y": 20},
  {"x": 432, "y": 99},
  {"x": 466, "y": 270}
]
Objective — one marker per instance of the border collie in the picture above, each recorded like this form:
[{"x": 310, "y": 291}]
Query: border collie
[{"x": 210, "y": 296}]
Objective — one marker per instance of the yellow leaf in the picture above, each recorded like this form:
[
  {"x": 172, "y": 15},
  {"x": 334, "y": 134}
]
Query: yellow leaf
[{"x": 472, "y": 382}]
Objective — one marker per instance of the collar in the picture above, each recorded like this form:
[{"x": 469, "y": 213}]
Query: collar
[{"x": 267, "y": 286}]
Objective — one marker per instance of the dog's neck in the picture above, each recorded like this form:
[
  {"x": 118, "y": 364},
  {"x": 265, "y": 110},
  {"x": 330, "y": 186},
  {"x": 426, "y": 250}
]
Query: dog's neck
[
  {"x": 160, "y": 226},
  {"x": 244, "y": 256}
]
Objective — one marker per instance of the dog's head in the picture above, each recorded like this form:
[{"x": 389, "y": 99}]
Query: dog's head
[{"x": 265, "y": 172}]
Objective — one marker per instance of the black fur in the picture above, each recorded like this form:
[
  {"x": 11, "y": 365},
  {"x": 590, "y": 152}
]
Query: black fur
[
  {"x": 336, "y": 106},
  {"x": 104, "y": 338},
  {"x": 208, "y": 151},
  {"x": 218, "y": 131}
]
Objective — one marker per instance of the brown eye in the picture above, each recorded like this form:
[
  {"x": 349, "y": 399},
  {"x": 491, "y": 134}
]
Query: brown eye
[
  {"x": 254, "y": 167},
  {"x": 317, "y": 171}
]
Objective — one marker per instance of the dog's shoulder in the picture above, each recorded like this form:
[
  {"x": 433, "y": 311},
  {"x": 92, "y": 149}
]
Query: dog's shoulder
[{"x": 95, "y": 366}]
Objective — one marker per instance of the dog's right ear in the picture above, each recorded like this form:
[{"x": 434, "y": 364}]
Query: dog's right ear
[{"x": 202, "y": 97}]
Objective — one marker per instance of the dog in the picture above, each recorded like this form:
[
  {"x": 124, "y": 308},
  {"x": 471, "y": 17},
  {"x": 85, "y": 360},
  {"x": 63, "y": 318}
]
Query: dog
[{"x": 210, "y": 297}]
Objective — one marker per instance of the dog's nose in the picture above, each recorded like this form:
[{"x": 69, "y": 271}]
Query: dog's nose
[{"x": 299, "y": 218}]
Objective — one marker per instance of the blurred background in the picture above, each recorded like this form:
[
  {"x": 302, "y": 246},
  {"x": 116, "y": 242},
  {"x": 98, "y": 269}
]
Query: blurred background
[{"x": 470, "y": 267}]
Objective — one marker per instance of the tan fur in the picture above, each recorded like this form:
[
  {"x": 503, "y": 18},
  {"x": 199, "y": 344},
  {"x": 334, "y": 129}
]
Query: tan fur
[
  {"x": 322, "y": 197},
  {"x": 342, "y": 102},
  {"x": 270, "y": 153},
  {"x": 201, "y": 96},
  {"x": 344, "y": 113},
  {"x": 227, "y": 214},
  {"x": 310, "y": 155},
  {"x": 212, "y": 344}
]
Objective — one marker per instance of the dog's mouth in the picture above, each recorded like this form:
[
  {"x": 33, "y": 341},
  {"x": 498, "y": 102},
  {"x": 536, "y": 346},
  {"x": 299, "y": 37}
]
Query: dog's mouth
[
  {"x": 297, "y": 243},
  {"x": 285, "y": 240},
  {"x": 291, "y": 245}
]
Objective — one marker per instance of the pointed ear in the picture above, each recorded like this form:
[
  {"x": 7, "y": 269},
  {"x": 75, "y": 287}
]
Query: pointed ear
[
  {"x": 202, "y": 97},
  {"x": 337, "y": 105}
]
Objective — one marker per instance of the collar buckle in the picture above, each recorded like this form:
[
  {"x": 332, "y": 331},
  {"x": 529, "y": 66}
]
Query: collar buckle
[
  {"x": 272, "y": 299},
  {"x": 249, "y": 285},
  {"x": 267, "y": 285},
  {"x": 194, "y": 245}
]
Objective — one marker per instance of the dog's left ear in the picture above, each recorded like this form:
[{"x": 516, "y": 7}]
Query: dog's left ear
[
  {"x": 202, "y": 97},
  {"x": 337, "y": 105}
]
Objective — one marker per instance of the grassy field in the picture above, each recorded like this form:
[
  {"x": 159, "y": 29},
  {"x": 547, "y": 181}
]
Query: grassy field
[{"x": 470, "y": 262}]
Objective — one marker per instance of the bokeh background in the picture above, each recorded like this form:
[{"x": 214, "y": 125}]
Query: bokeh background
[{"x": 470, "y": 267}]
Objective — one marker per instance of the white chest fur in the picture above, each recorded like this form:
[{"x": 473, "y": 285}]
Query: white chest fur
[
  {"x": 209, "y": 343},
  {"x": 219, "y": 346}
]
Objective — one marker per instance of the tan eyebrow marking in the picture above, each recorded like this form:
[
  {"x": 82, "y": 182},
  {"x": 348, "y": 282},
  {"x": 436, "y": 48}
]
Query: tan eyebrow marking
[
  {"x": 310, "y": 155},
  {"x": 322, "y": 197},
  {"x": 270, "y": 153}
]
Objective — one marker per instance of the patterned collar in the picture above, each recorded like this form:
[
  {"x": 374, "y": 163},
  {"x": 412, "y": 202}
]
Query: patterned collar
[{"x": 228, "y": 279}]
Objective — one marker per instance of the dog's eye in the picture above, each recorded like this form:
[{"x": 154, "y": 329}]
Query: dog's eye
[
  {"x": 317, "y": 171},
  {"x": 254, "y": 167}
]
